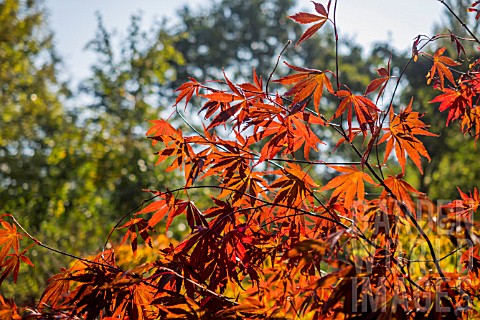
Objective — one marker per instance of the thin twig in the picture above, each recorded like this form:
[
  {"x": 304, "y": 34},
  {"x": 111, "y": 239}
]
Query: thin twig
[
  {"x": 62, "y": 252},
  {"x": 218, "y": 295},
  {"x": 460, "y": 20},
  {"x": 276, "y": 66},
  {"x": 337, "y": 76}
]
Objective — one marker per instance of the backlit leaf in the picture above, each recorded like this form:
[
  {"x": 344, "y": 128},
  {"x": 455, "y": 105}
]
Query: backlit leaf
[
  {"x": 402, "y": 133},
  {"x": 349, "y": 185}
]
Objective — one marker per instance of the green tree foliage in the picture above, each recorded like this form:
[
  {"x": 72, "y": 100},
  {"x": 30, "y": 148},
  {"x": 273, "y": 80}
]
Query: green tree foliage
[
  {"x": 34, "y": 182},
  {"x": 58, "y": 173},
  {"x": 125, "y": 89},
  {"x": 32, "y": 115},
  {"x": 237, "y": 34}
]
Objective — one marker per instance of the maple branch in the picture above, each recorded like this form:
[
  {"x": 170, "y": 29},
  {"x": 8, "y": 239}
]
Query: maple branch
[
  {"x": 253, "y": 154},
  {"x": 218, "y": 295},
  {"x": 360, "y": 233},
  {"x": 444, "y": 257},
  {"x": 428, "y": 57},
  {"x": 346, "y": 163},
  {"x": 336, "y": 44},
  {"x": 399, "y": 78},
  {"x": 124, "y": 217},
  {"x": 276, "y": 66},
  {"x": 460, "y": 20},
  {"x": 402, "y": 205},
  {"x": 38, "y": 242},
  {"x": 309, "y": 213},
  {"x": 409, "y": 214}
]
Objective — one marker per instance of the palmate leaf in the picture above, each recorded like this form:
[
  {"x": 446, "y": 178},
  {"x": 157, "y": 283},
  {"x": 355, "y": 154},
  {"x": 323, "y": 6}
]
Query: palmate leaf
[
  {"x": 141, "y": 226},
  {"x": 12, "y": 265},
  {"x": 8, "y": 309},
  {"x": 176, "y": 147},
  {"x": 381, "y": 82},
  {"x": 468, "y": 204},
  {"x": 440, "y": 67},
  {"x": 306, "y": 83},
  {"x": 456, "y": 101},
  {"x": 163, "y": 131},
  {"x": 170, "y": 207},
  {"x": 306, "y": 18},
  {"x": 401, "y": 190},
  {"x": 289, "y": 134},
  {"x": 242, "y": 184},
  {"x": 187, "y": 90},
  {"x": 295, "y": 186},
  {"x": 348, "y": 185},
  {"x": 234, "y": 105},
  {"x": 402, "y": 133},
  {"x": 471, "y": 122},
  {"x": 9, "y": 239},
  {"x": 365, "y": 110},
  {"x": 57, "y": 289}
]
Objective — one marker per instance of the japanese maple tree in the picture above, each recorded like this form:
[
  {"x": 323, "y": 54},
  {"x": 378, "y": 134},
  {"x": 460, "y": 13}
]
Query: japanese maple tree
[{"x": 273, "y": 240}]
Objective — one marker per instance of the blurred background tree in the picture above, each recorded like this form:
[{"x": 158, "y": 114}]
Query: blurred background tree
[
  {"x": 70, "y": 169},
  {"x": 34, "y": 128}
]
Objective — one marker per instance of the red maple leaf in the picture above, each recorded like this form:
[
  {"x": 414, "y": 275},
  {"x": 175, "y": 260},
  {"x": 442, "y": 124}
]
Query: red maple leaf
[
  {"x": 381, "y": 82},
  {"x": 365, "y": 110},
  {"x": 306, "y": 18},
  {"x": 401, "y": 190},
  {"x": 467, "y": 206},
  {"x": 455, "y": 100}
]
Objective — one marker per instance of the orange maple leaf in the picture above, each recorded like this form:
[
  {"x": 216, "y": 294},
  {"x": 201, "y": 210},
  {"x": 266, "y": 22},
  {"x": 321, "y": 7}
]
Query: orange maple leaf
[
  {"x": 471, "y": 122},
  {"x": 401, "y": 135},
  {"x": 467, "y": 206},
  {"x": 244, "y": 183},
  {"x": 306, "y": 82},
  {"x": 12, "y": 265},
  {"x": 381, "y": 82},
  {"x": 290, "y": 134},
  {"x": 58, "y": 287},
  {"x": 8, "y": 309},
  {"x": 9, "y": 239},
  {"x": 401, "y": 190},
  {"x": 440, "y": 66},
  {"x": 187, "y": 90},
  {"x": 365, "y": 110},
  {"x": 348, "y": 185}
]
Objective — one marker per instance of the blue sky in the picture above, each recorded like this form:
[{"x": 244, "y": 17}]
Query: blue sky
[{"x": 74, "y": 22}]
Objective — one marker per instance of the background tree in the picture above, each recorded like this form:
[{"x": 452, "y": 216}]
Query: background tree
[
  {"x": 58, "y": 171},
  {"x": 239, "y": 35},
  {"x": 125, "y": 90},
  {"x": 35, "y": 176}
]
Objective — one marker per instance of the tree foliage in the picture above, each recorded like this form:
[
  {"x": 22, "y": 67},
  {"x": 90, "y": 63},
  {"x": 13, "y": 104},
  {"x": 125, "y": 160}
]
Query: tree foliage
[
  {"x": 58, "y": 166},
  {"x": 273, "y": 241}
]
